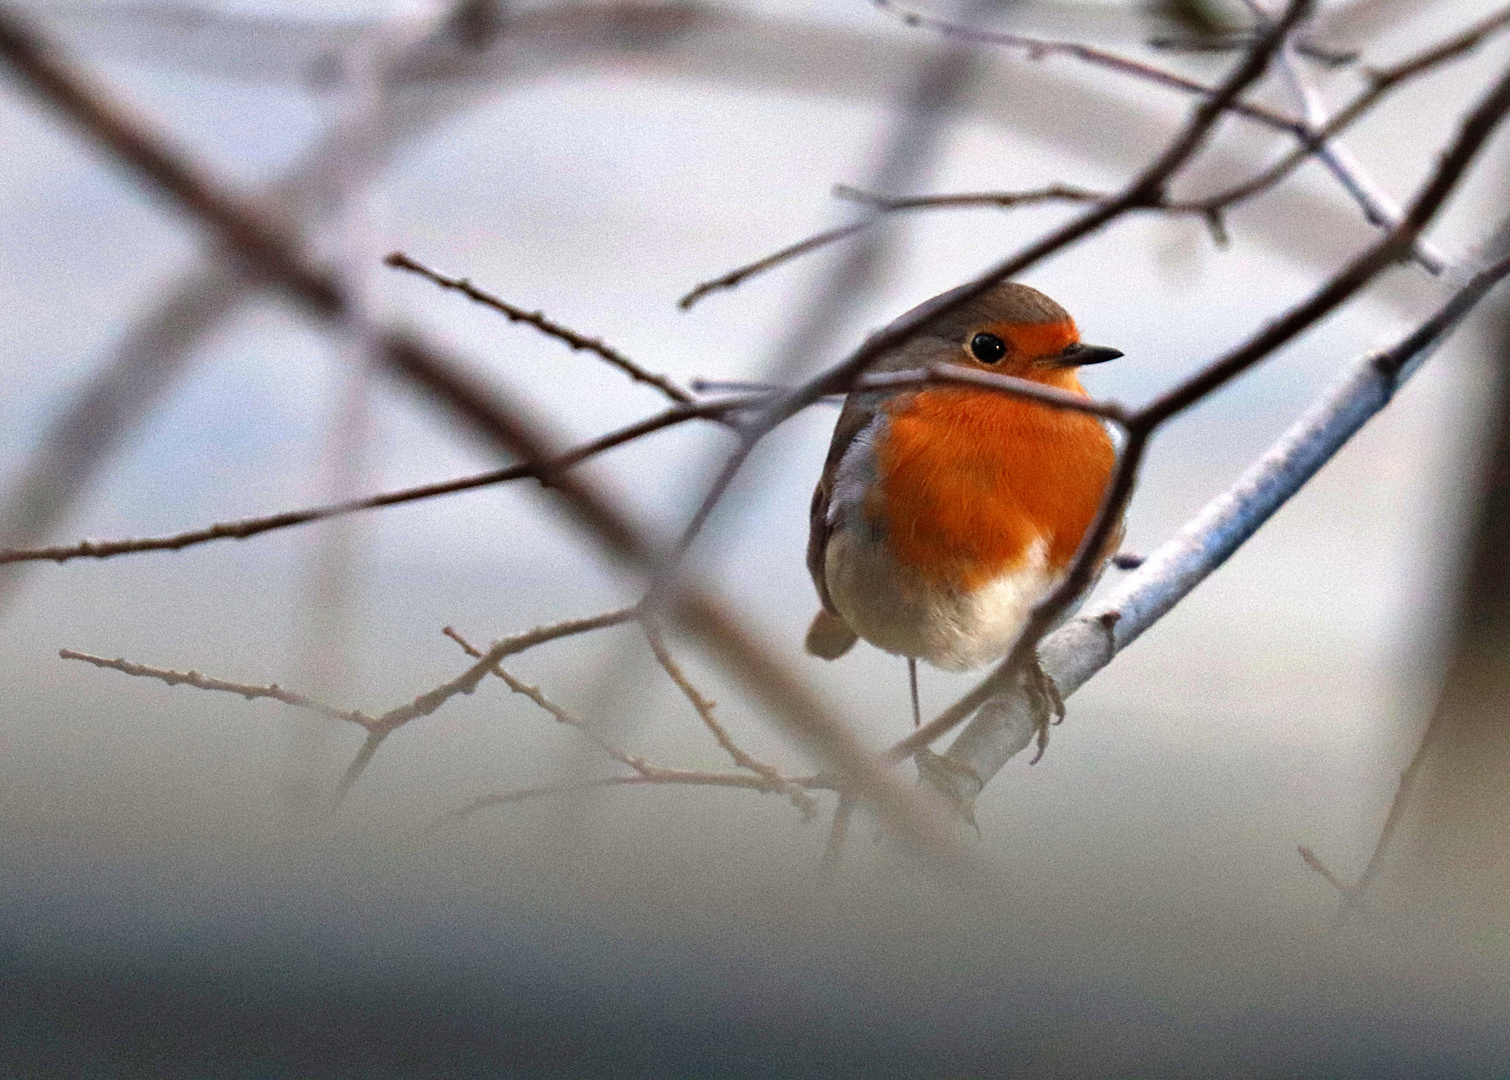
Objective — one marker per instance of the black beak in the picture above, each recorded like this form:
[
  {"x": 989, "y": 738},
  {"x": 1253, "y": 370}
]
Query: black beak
[{"x": 1080, "y": 354}]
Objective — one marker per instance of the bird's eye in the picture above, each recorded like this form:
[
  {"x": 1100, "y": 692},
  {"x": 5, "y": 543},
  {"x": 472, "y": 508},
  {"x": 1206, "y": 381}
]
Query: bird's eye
[{"x": 987, "y": 348}]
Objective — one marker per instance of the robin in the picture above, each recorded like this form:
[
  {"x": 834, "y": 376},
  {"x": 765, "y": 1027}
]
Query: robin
[{"x": 945, "y": 513}]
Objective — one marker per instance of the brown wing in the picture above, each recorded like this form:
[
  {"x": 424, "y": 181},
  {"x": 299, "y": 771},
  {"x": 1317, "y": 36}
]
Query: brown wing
[{"x": 853, "y": 420}]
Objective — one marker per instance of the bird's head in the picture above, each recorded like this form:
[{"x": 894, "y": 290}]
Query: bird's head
[{"x": 1015, "y": 330}]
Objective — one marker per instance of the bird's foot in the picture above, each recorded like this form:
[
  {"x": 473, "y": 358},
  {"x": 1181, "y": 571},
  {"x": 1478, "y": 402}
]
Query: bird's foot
[{"x": 1046, "y": 701}]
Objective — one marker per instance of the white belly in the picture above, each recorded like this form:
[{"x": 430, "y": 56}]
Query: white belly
[{"x": 894, "y": 608}]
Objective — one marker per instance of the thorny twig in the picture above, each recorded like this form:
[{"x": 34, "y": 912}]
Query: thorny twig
[
  {"x": 766, "y": 778},
  {"x": 546, "y": 326},
  {"x": 249, "y": 691},
  {"x": 704, "y": 709},
  {"x": 241, "y": 529},
  {"x": 1314, "y": 138}
]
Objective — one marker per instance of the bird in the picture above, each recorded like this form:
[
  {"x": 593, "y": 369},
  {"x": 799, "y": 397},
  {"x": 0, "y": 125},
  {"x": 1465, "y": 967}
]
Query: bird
[{"x": 944, "y": 513}]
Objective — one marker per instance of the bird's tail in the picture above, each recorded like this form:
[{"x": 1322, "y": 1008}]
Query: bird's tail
[{"x": 830, "y": 636}]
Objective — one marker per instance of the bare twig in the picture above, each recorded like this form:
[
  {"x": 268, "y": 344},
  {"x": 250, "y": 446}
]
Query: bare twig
[
  {"x": 1381, "y": 81},
  {"x": 657, "y": 775},
  {"x": 464, "y": 398},
  {"x": 1314, "y": 862},
  {"x": 833, "y": 850},
  {"x": 1003, "y": 199},
  {"x": 561, "y": 714},
  {"x": 1038, "y": 48},
  {"x": 766, "y": 778},
  {"x": 385, "y": 722},
  {"x": 546, "y": 326},
  {"x": 717, "y": 410},
  {"x": 1379, "y": 208},
  {"x": 1314, "y": 137},
  {"x": 1392, "y": 820},
  {"x": 1312, "y": 132},
  {"x": 357, "y": 767},
  {"x": 243, "y": 225},
  {"x": 731, "y": 643},
  {"x": 882, "y": 207},
  {"x": 704, "y": 708},
  {"x": 248, "y": 527},
  {"x": 416, "y": 69},
  {"x": 378, "y": 727},
  {"x": 249, "y": 691},
  {"x": 776, "y": 258}
]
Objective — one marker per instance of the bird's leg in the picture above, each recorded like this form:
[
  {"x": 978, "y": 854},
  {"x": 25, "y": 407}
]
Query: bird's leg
[
  {"x": 912, "y": 681},
  {"x": 1047, "y": 702}
]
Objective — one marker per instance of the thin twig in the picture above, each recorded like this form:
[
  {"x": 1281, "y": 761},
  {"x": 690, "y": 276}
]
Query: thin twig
[
  {"x": 1379, "y": 209},
  {"x": 378, "y": 727},
  {"x": 1392, "y": 822},
  {"x": 561, "y": 714},
  {"x": 357, "y": 767},
  {"x": 1314, "y": 862},
  {"x": 1038, "y": 48},
  {"x": 838, "y": 832},
  {"x": 247, "y": 527},
  {"x": 657, "y": 775},
  {"x": 704, "y": 709},
  {"x": 882, "y": 207},
  {"x": 765, "y": 779},
  {"x": 467, "y": 681},
  {"x": 776, "y": 258},
  {"x": 717, "y": 410},
  {"x": 1313, "y": 131},
  {"x": 249, "y": 691},
  {"x": 427, "y": 703},
  {"x": 1381, "y": 82},
  {"x": 546, "y": 326},
  {"x": 1314, "y": 136}
]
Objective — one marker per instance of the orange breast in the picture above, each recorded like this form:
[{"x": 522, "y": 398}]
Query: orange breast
[{"x": 971, "y": 480}]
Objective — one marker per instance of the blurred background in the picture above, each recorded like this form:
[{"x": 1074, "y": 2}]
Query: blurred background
[{"x": 179, "y": 900}]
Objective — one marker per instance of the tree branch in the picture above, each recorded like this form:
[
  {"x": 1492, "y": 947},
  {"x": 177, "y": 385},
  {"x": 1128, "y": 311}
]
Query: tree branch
[
  {"x": 546, "y": 326},
  {"x": 247, "y": 527},
  {"x": 248, "y": 691},
  {"x": 704, "y": 708}
]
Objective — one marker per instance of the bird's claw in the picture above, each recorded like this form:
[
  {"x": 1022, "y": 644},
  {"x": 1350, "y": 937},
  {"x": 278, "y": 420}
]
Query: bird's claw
[{"x": 1047, "y": 702}]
